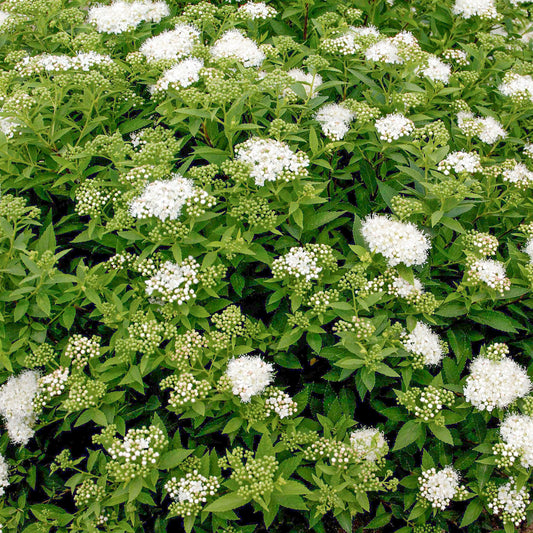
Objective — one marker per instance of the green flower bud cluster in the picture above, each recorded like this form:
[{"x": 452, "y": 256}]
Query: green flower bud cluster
[
  {"x": 201, "y": 14},
  {"x": 327, "y": 498},
  {"x": 187, "y": 348},
  {"x": 40, "y": 356},
  {"x": 137, "y": 454},
  {"x": 15, "y": 208},
  {"x": 404, "y": 206},
  {"x": 338, "y": 454},
  {"x": 256, "y": 212},
  {"x": 106, "y": 436},
  {"x": 320, "y": 301},
  {"x": 145, "y": 336},
  {"x": 315, "y": 63},
  {"x": 286, "y": 44},
  {"x": 434, "y": 132},
  {"x": 185, "y": 389},
  {"x": 254, "y": 412},
  {"x": 409, "y": 100},
  {"x": 278, "y": 128},
  {"x": 63, "y": 461},
  {"x": 298, "y": 320},
  {"x": 88, "y": 491},
  {"x": 362, "y": 327},
  {"x": 83, "y": 393},
  {"x": 496, "y": 351},
  {"x": 253, "y": 475},
  {"x": 206, "y": 176},
  {"x": 363, "y": 111},
  {"x": 481, "y": 244},
  {"x": 427, "y": 403},
  {"x": 354, "y": 279},
  {"x": 294, "y": 440},
  {"x": 169, "y": 229},
  {"x": 506, "y": 454}
]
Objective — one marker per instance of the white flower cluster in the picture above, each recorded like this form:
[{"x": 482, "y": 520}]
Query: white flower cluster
[
  {"x": 485, "y": 9},
  {"x": 369, "y": 443},
  {"x": 520, "y": 88},
  {"x": 335, "y": 120},
  {"x": 271, "y": 160},
  {"x": 309, "y": 81},
  {"x": 192, "y": 489},
  {"x": 185, "y": 389},
  {"x": 399, "y": 242},
  {"x": 517, "y": 433},
  {"x": 80, "y": 349},
  {"x": 495, "y": 384},
  {"x": 490, "y": 272},
  {"x": 53, "y": 384},
  {"x": 518, "y": 175},
  {"x": 510, "y": 503},
  {"x": 394, "y": 50},
  {"x": 174, "y": 282},
  {"x": 439, "y": 487},
  {"x": 249, "y": 375},
  {"x": 8, "y": 126},
  {"x": 256, "y": 10},
  {"x": 17, "y": 405},
  {"x": 280, "y": 403},
  {"x": 4, "y": 17},
  {"x": 121, "y": 16},
  {"x": 404, "y": 289},
  {"x": 394, "y": 126},
  {"x": 436, "y": 70},
  {"x": 4, "y": 475},
  {"x": 461, "y": 162},
  {"x": 458, "y": 56},
  {"x": 528, "y": 150},
  {"x": 179, "y": 76},
  {"x": 299, "y": 262},
  {"x": 528, "y": 249},
  {"x": 83, "y": 61},
  {"x": 163, "y": 199},
  {"x": 233, "y": 44},
  {"x": 488, "y": 129},
  {"x": 352, "y": 40},
  {"x": 171, "y": 44},
  {"x": 423, "y": 341}
]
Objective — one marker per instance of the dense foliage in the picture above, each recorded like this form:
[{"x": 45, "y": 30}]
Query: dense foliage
[{"x": 266, "y": 267}]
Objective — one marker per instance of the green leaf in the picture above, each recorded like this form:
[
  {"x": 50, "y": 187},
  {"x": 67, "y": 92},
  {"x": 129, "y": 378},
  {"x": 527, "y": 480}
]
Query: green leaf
[
  {"x": 408, "y": 433},
  {"x": 227, "y": 503}
]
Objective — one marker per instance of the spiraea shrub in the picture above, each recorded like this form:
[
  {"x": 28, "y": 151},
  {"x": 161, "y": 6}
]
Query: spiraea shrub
[{"x": 266, "y": 266}]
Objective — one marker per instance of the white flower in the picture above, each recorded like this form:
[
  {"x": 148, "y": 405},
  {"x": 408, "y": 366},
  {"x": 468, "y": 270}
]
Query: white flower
[
  {"x": 171, "y": 44},
  {"x": 517, "y": 432},
  {"x": 528, "y": 150},
  {"x": 82, "y": 61},
  {"x": 8, "y": 126},
  {"x": 271, "y": 160},
  {"x": 398, "y": 242},
  {"x": 488, "y": 129},
  {"x": 121, "y": 16},
  {"x": 17, "y": 407},
  {"x": 528, "y": 249},
  {"x": 510, "y": 503},
  {"x": 233, "y": 44},
  {"x": 4, "y": 16},
  {"x": 174, "y": 282},
  {"x": 470, "y": 8},
  {"x": 491, "y": 272},
  {"x": 494, "y": 384},
  {"x": 401, "y": 287},
  {"x": 438, "y": 488},
  {"x": 335, "y": 120},
  {"x": 423, "y": 341},
  {"x": 4, "y": 475},
  {"x": 179, "y": 76},
  {"x": 249, "y": 375},
  {"x": 163, "y": 199},
  {"x": 384, "y": 51},
  {"x": 461, "y": 162},
  {"x": 394, "y": 126},
  {"x": 436, "y": 70},
  {"x": 298, "y": 262},
  {"x": 519, "y": 175},
  {"x": 520, "y": 87},
  {"x": 369, "y": 443},
  {"x": 281, "y": 403},
  {"x": 256, "y": 10},
  {"x": 309, "y": 81}
]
